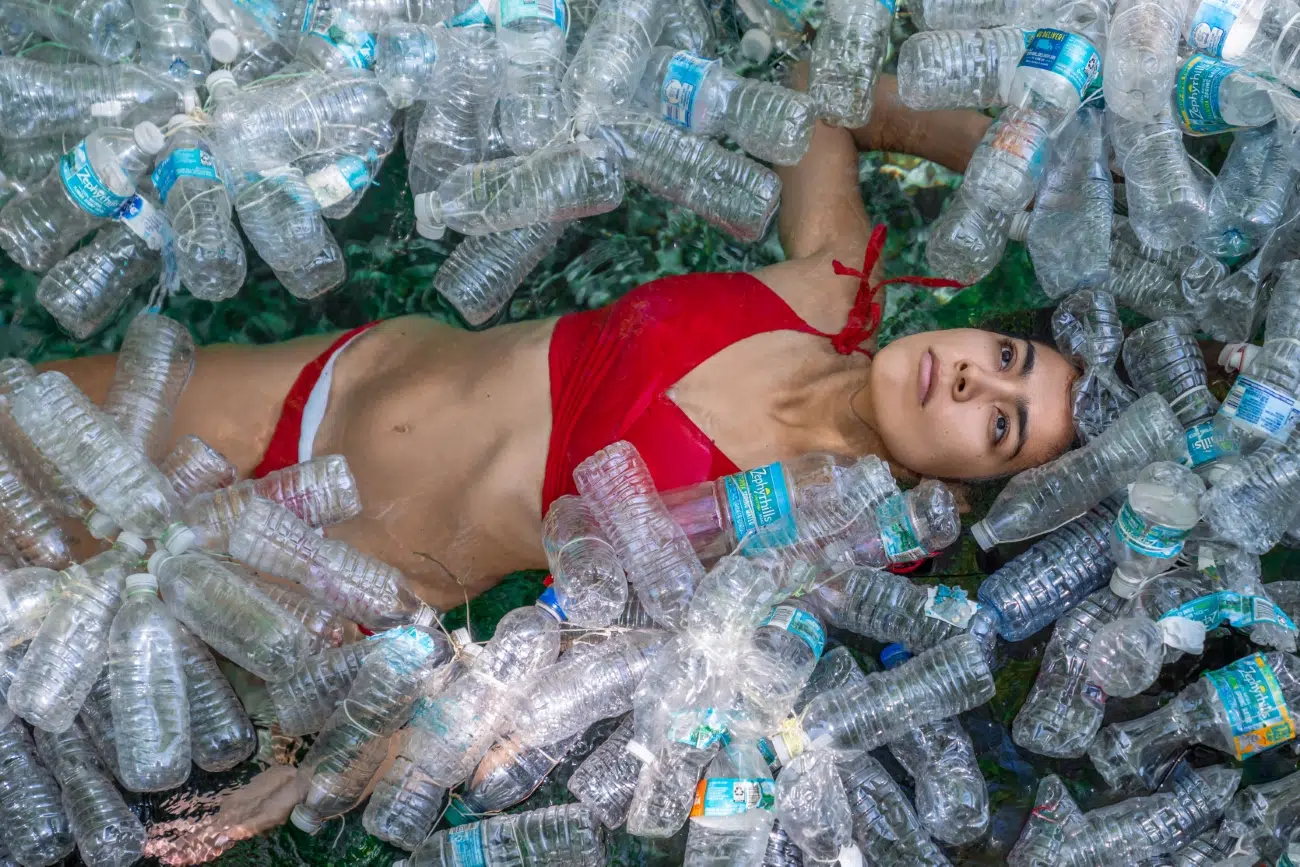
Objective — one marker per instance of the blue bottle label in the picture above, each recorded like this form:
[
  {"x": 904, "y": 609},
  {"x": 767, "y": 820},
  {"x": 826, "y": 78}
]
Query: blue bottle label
[
  {"x": 551, "y": 602},
  {"x": 84, "y": 186},
  {"x": 338, "y": 180},
  {"x": 1253, "y": 702},
  {"x": 768, "y": 753},
  {"x": 467, "y": 846},
  {"x": 1146, "y": 537},
  {"x": 797, "y": 12},
  {"x": 951, "y": 605},
  {"x": 552, "y": 10},
  {"x": 183, "y": 163},
  {"x": 730, "y": 796},
  {"x": 1237, "y": 610},
  {"x": 150, "y": 224},
  {"x": 347, "y": 35},
  {"x": 1259, "y": 407},
  {"x": 1203, "y": 446},
  {"x": 478, "y": 15},
  {"x": 897, "y": 532},
  {"x": 759, "y": 503},
  {"x": 699, "y": 729},
  {"x": 264, "y": 12},
  {"x": 405, "y": 648},
  {"x": 1070, "y": 56},
  {"x": 799, "y": 623},
  {"x": 1196, "y": 95},
  {"x": 681, "y": 87},
  {"x": 1211, "y": 23}
]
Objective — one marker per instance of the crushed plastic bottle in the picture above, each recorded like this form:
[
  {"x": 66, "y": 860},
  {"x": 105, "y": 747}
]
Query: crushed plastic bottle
[
  {"x": 305, "y": 701},
  {"x": 193, "y": 467},
  {"x": 885, "y": 828},
  {"x": 733, "y": 810},
  {"x": 813, "y": 808},
  {"x": 483, "y": 272},
  {"x": 567, "y": 834},
  {"x": 941, "y": 69},
  {"x": 221, "y": 735},
  {"x": 509, "y": 773},
  {"x": 606, "y": 780},
  {"x": 153, "y": 367},
  {"x": 36, "y": 829},
  {"x": 404, "y": 806},
  {"x": 26, "y": 595},
  {"x": 1162, "y": 508}
]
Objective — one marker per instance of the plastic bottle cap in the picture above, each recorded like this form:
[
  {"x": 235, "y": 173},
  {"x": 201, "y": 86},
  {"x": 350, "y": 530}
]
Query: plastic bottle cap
[
  {"x": 149, "y": 137},
  {"x": 641, "y": 751},
  {"x": 1019, "y": 229},
  {"x": 143, "y": 581},
  {"x": 1123, "y": 586},
  {"x": 982, "y": 536},
  {"x": 221, "y": 76},
  {"x": 425, "y": 616},
  {"x": 304, "y": 821},
  {"x": 101, "y": 526},
  {"x": 131, "y": 542},
  {"x": 432, "y": 231},
  {"x": 223, "y": 45},
  {"x": 894, "y": 655},
  {"x": 756, "y": 45},
  {"x": 178, "y": 538},
  {"x": 190, "y": 101},
  {"x": 158, "y": 558},
  {"x": 456, "y": 814}
]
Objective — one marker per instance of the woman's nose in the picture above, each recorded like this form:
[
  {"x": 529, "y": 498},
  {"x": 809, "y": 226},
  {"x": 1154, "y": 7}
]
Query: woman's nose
[{"x": 966, "y": 381}]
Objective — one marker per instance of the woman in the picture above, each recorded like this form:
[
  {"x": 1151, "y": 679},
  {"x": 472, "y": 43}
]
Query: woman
[{"x": 460, "y": 440}]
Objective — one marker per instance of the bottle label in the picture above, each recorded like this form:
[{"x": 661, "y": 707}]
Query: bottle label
[
  {"x": 551, "y": 602},
  {"x": 897, "y": 532},
  {"x": 183, "y": 163},
  {"x": 800, "y": 623},
  {"x": 888, "y": 4},
  {"x": 481, "y": 14},
  {"x": 338, "y": 180},
  {"x": 768, "y": 753},
  {"x": 759, "y": 503},
  {"x": 727, "y": 796},
  {"x": 552, "y": 10},
  {"x": 84, "y": 186},
  {"x": 795, "y": 11},
  {"x": 1022, "y": 142},
  {"x": 150, "y": 225},
  {"x": 950, "y": 604},
  {"x": 1259, "y": 407},
  {"x": 1209, "y": 27},
  {"x": 1236, "y": 609},
  {"x": 405, "y": 648},
  {"x": 681, "y": 86},
  {"x": 347, "y": 35},
  {"x": 1253, "y": 701},
  {"x": 700, "y": 729},
  {"x": 1070, "y": 56},
  {"x": 264, "y": 12},
  {"x": 1203, "y": 446},
  {"x": 467, "y": 846},
  {"x": 1196, "y": 95},
  {"x": 1146, "y": 537}
]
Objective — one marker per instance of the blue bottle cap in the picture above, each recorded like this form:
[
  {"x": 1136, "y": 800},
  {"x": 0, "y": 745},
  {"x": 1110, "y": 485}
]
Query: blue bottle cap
[
  {"x": 456, "y": 816},
  {"x": 894, "y": 655}
]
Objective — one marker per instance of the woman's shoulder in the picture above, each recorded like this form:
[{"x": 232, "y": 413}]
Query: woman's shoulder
[{"x": 813, "y": 290}]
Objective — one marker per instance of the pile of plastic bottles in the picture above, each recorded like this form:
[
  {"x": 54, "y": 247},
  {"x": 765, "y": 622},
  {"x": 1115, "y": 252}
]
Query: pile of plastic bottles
[{"x": 1090, "y": 90}]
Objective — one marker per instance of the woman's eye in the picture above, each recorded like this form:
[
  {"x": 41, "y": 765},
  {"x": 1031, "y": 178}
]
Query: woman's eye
[
  {"x": 999, "y": 428},
  {"x": 1007, "y": 356}
]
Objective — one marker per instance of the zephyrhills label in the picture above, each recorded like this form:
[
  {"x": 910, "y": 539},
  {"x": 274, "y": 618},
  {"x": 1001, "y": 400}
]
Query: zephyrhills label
[
  {"x": 759, "y": 503},
  {"x": 85, "y": 187},
  {"x": 1066, "y": 54}
]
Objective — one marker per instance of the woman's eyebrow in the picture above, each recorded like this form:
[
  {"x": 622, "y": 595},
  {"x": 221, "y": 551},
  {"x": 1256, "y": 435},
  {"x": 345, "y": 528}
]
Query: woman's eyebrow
[
  {"x": 1022, "y": 418},
  {"x": 1028, "y": 366}
]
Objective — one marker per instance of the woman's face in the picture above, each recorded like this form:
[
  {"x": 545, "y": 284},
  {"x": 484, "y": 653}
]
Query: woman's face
[{"x": 970, "y": 404}]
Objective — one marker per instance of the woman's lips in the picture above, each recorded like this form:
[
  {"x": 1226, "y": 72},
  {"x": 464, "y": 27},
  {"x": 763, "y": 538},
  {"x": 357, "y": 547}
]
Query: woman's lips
[{"x": 926, "y": 378}]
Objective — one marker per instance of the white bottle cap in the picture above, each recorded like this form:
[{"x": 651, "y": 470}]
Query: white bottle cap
[
  {"x": 1125, "y": 587},
  {"x": 131, "y": 542},
  {"x": 141, "y": 580},
  {"x": 982, "y": 536},
  {"x": 190, "y": 101},
  {"x": 178, "y": 538},
  {"x": 756, "y": 45},
  {"x": 432, "y": 231},
  {"x": 1019, "y": 229},
  {"x": 303, "y": 820},
  {"x": 158, "y": 558},
  {"x": 101, "y": 526},
  {"x": 149, "y": 137},
  {"x": 221, "y": 76},
  {"x": 640, "y": 750},
  {"x": 425, "y": 616},
  {"x": 223, "y": 45}
]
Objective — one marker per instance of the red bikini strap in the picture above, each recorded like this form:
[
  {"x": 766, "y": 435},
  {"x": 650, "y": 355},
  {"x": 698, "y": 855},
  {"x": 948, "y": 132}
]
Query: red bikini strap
[{"x": 864, "y": 317}]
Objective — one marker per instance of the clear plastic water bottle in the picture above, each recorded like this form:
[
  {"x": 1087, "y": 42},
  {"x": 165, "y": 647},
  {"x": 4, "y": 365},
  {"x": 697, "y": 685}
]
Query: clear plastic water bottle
[
  {"x": 146, "y": 671},
  {"x": 733, "y": 810},
  {"x": 1251, "y": 194},
  {"x": 565, "y": 698},
  {"x": 784, "y": 649},
  {"x": 1234, "y": 710},
  {"x": 231, "y": 614},
  {"x": 335, "y": 772},
  {"x": 689, "y": 26},
  {"x": 271, "y": 539},
  {"x": 406, "y": 57},
  {"x": 967, "y": 241},
  {"x": 282, "y": 220},
  {"x": 1167, "y": 193},
  {"x": 1008, "y": 164},
  {"x": 340, "y": 180},
  {"x": 959, "y": 68},
  {"x": 942, "y": 682},
  {"x": 10, "y": 659},
  {"x": 661, "y": 566},
  {"x": 404, "y": 806},
  {"x": 553, "y": 185},
  {"x": 1255, "y": 34},
  {"x": 153, "y": 368},
  {"x": 1144, "y": 279},
  {"x": 193, "y": 467},
  {"x": 28, "y": 524},
  {"x": 1254, "y": 502},
  {"x": 702, "y": 96},
  {"x": 321, "y": 491},
  {"x": 567, "y": 834},
  {"x": 532, "y": 36},
  {"x": 781, "y": 850},
  {"x": 250, "y": 41},
  {"x": 1162, "y": 507},
  {"x": 101, "y": 29},
  {"x": 221, "y": 735},
  {"x": 850, "y": 47},
  {"x": 606, "y": 780},
  {"x": 97, "y": 717},
  {"x": 172, "y": 39},
  {"x": 26, "y": 595},
  {"x": 1041, "y": 499},
  {"x": 483, "y": 272},
  {"x": 908, "y": 526},
  {"x": 107, "y": 833},
  {"x": 69, "y": 650},
  {"x": 1164, "y": 357},
  {"x": 36, "y": 467},
  {"x": 590, "y": 585},
  {"x": 1063, "y": 711},
  {"x": 93, "y": 455},
  {"x": 1264, "y": 812},
  {"x": 87, "y": 288},
  {"x": 1142, "y": 57},
  {"x": 1054, "y": 575},
  {"x": 965, "y": 15},
  {"x": 1087, "y": 330},
  {"x": 193, "y": 184},
  {"x": 885, "y": 828},
  {"x": 1054, "y": 817},
  {"x": 725, "y": 188},
  {"x": 305, "y": 701},
  {"x": 813, "y": 808},
  {"x": 952, "y": 798},
  {"x": 36, "y": 827},
  {"x": 607, "y": 67},
  {"x": 89, "y": 187},
  {"x": 1069, "y": 234},
  {"x": 327, "y": 628},
  {"x": 1211, "y": 96},
  {"x": 509, "y": 773}
]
